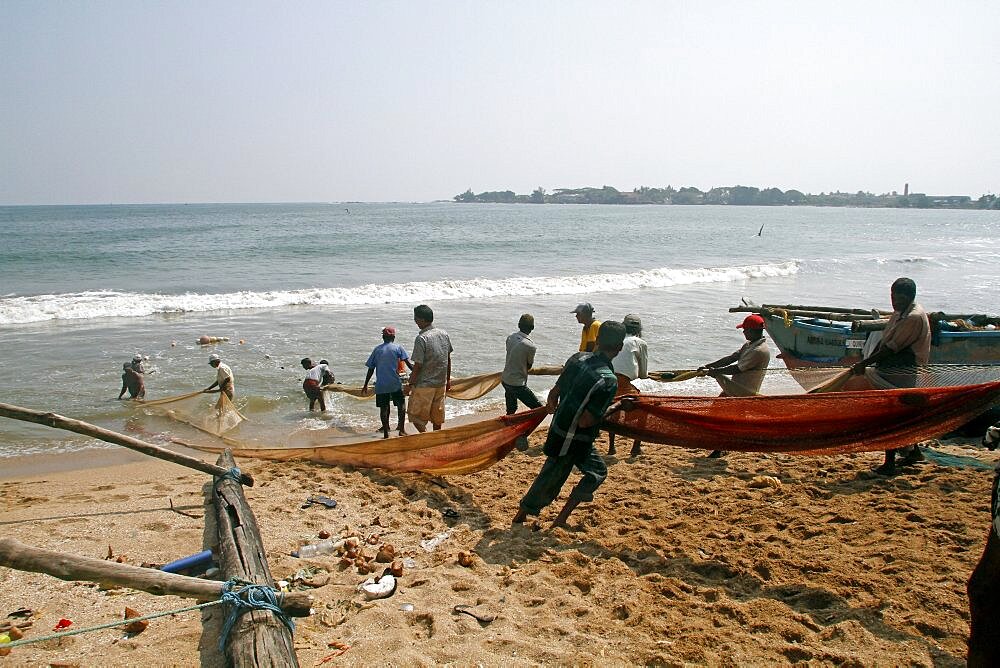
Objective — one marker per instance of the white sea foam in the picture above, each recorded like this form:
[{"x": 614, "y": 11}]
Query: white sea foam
[{"x": 111, "y": 303}]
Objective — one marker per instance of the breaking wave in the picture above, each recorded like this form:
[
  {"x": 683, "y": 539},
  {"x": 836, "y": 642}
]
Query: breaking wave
[{"x": 112, "y": 303}]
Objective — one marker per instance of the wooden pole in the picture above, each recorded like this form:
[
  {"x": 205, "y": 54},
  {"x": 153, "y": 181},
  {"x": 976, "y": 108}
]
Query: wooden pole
[
  {"x": 14, "y": 554},
  {"x": 258, "y": 638},
  {"x": 825, "y": 315},
  {"x": 87, "y": 429}
]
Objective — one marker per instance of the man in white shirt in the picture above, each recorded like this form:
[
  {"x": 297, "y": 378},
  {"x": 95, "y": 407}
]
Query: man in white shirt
[
  {"x": 630, "y": 364},
  {"x": 223, "y": 377},
  {"x": 316, "y": 375}
]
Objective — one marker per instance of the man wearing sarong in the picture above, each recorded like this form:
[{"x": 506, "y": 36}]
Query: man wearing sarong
[
  {"x": 430, "y": 377},
  {"x": 745, "y": 367},
  {"x": 223, "y": 377},
  {"x": 585, "y": 316},
  {"x": 579, "y": 400},
  {"x": 384, "y": 364},
  {"x": 629, "y": 364},
  {"x": 905, "y": 344},
  {"x": 317, "y": 375}
]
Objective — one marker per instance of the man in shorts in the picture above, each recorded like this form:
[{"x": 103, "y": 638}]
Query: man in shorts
[
  {"x": 384, "y": 363},
  {"x": 430, "y": 377}
]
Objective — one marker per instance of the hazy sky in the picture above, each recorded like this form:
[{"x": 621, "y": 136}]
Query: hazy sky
[{"x": 251, "y": 102}]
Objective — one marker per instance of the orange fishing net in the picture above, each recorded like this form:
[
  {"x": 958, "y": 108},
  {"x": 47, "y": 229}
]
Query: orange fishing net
[
  {"x": 836, "y": 422},
  {"x": 462, "y": 449}
]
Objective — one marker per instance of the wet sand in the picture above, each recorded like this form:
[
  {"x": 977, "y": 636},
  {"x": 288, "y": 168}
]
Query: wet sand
[{"x": 680, "y": 560}]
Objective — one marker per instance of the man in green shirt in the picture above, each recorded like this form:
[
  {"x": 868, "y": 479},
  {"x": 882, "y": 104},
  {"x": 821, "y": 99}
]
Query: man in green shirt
[{"x": 578, "y": 401}]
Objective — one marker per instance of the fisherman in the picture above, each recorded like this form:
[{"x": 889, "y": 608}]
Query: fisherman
[
  {"x": 223, "y": 378},
  {"x": 133, "y": 382},
  {"x": 983, "y": 589},
  {"x": 430, "y": 375},
  {"x": 520, "y": 357},
  {"x": 629, "y": 364},
  {"x": 384, "y": 361},
  {"x": 579, "y": 401},
  {"x": 745, "y": 366},
  {"x": 316, "y": 375},
  {"x": 134, "y": 378},
  {"x": 585, "y": 316},
  {"x": 905, "y": 344}
]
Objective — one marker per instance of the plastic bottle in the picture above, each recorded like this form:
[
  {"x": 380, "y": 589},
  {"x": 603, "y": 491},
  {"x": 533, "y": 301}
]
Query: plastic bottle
[{"x": 315, "y": 549}]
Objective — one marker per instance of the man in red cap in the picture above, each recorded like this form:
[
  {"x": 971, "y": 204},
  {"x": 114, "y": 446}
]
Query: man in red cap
[
  {"x": 384, "y": 361},
  {"x": 745, "y": 367}
]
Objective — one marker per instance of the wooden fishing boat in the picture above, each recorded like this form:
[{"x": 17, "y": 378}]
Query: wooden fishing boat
[{"x": 816, "y": 336}]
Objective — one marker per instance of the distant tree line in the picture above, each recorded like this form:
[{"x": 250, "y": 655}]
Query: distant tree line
[{"x": 730, "y": 195}]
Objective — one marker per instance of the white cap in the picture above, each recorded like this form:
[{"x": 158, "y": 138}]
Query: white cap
[
  {"x": 137, "y": 357},
  {"x": 214, "y": 358}
]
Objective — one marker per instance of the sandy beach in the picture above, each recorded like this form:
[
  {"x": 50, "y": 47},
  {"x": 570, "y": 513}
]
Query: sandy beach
[{"x": 680, "y": 560}]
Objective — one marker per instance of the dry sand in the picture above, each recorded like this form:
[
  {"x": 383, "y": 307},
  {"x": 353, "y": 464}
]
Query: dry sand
[{"x": 680, "y": 560}]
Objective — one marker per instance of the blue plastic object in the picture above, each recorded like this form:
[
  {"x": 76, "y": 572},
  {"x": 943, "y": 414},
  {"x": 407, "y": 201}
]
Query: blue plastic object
[{"x": 194, "y": 564}]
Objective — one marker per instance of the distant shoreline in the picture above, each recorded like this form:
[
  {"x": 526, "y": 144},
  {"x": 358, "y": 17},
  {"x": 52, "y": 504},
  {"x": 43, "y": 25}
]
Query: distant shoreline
[{"x": 731, "y": 196}]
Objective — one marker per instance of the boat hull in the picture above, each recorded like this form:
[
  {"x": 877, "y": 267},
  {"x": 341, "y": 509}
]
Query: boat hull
[{"x": 811, "y": 342}]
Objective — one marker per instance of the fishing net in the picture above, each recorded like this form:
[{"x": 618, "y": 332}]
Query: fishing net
[
  {"x": 457, "y": 450},
  {"x": 211, "y": 413},
  {"x": 465, "y": 389},
  {"x": 825, "y": 423}
]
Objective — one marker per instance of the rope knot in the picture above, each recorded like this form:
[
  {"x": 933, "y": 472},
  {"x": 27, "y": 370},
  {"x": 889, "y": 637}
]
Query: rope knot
[{"x": 249, "y": 597}]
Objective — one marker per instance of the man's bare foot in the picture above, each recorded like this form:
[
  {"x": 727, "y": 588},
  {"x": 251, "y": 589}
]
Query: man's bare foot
[
  {"x": 520, "y": 517},
  {"x": 402, "y": 432},
  {"x": 635, "y": 452}
]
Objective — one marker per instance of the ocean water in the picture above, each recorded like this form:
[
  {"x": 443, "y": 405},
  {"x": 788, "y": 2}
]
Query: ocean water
[{"x": 83, "y": 288}]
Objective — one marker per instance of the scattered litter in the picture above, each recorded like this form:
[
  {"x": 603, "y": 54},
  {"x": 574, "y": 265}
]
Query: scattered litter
[
  {"x": 431, "y": 544},
  {"x": 337, "y": 645},
  {"x": 135, "y": 628},
  {"x": 764, "y": 481},
  {"x": 321, "y": 501},
  {"x": 466, "y": 559},
  {"x": 410, "y": 562},
  {"x": 450, "y": 512},
  {"x": 380, "y": 587},
  {"x": 386, "y": 554},
  {"x": 62, "y": 624},
  {"x": 479, "y": 615},
  {"x": 396, "y": 567},
  {"x": 194, "y": 564},
  {"x": 406, "y": 607},
  {"x": 21, "y": 612}
]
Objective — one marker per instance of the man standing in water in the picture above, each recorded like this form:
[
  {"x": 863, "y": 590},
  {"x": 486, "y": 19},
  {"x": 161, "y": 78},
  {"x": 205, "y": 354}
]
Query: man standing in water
[
  {"x": 384, "y": 363},
  {"x": 579, "y": 401},
  {"x": 745, "y": 367},
  {"x": 629, "y": 364},
  {"x": 223, "y": 377},
  {"x": 317, "y": 375},
  {"x": 905, "y": 344},
  {"x": 430, "y": 375},
  {"x": 585, "y": 316}
]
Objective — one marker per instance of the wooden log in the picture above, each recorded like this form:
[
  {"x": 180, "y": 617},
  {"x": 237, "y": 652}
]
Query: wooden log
[
  {"x": 14, "y": 554},
  {"x": 87, "y": 429},
  {"x": 258, "y": 638},
  {"x": 844, "y": 314},
  {"x": 869, "y": 326}
]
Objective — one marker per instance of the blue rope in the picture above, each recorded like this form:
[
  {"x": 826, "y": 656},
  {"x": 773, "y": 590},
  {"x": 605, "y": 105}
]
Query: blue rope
[
  {"x": 234, "y": 474},
  {"x": 258, "y": 597}
]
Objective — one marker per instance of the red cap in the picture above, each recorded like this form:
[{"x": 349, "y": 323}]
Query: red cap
[
  {"x": 752, "y": 321},
  {"x": 391, "y": 331}
]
